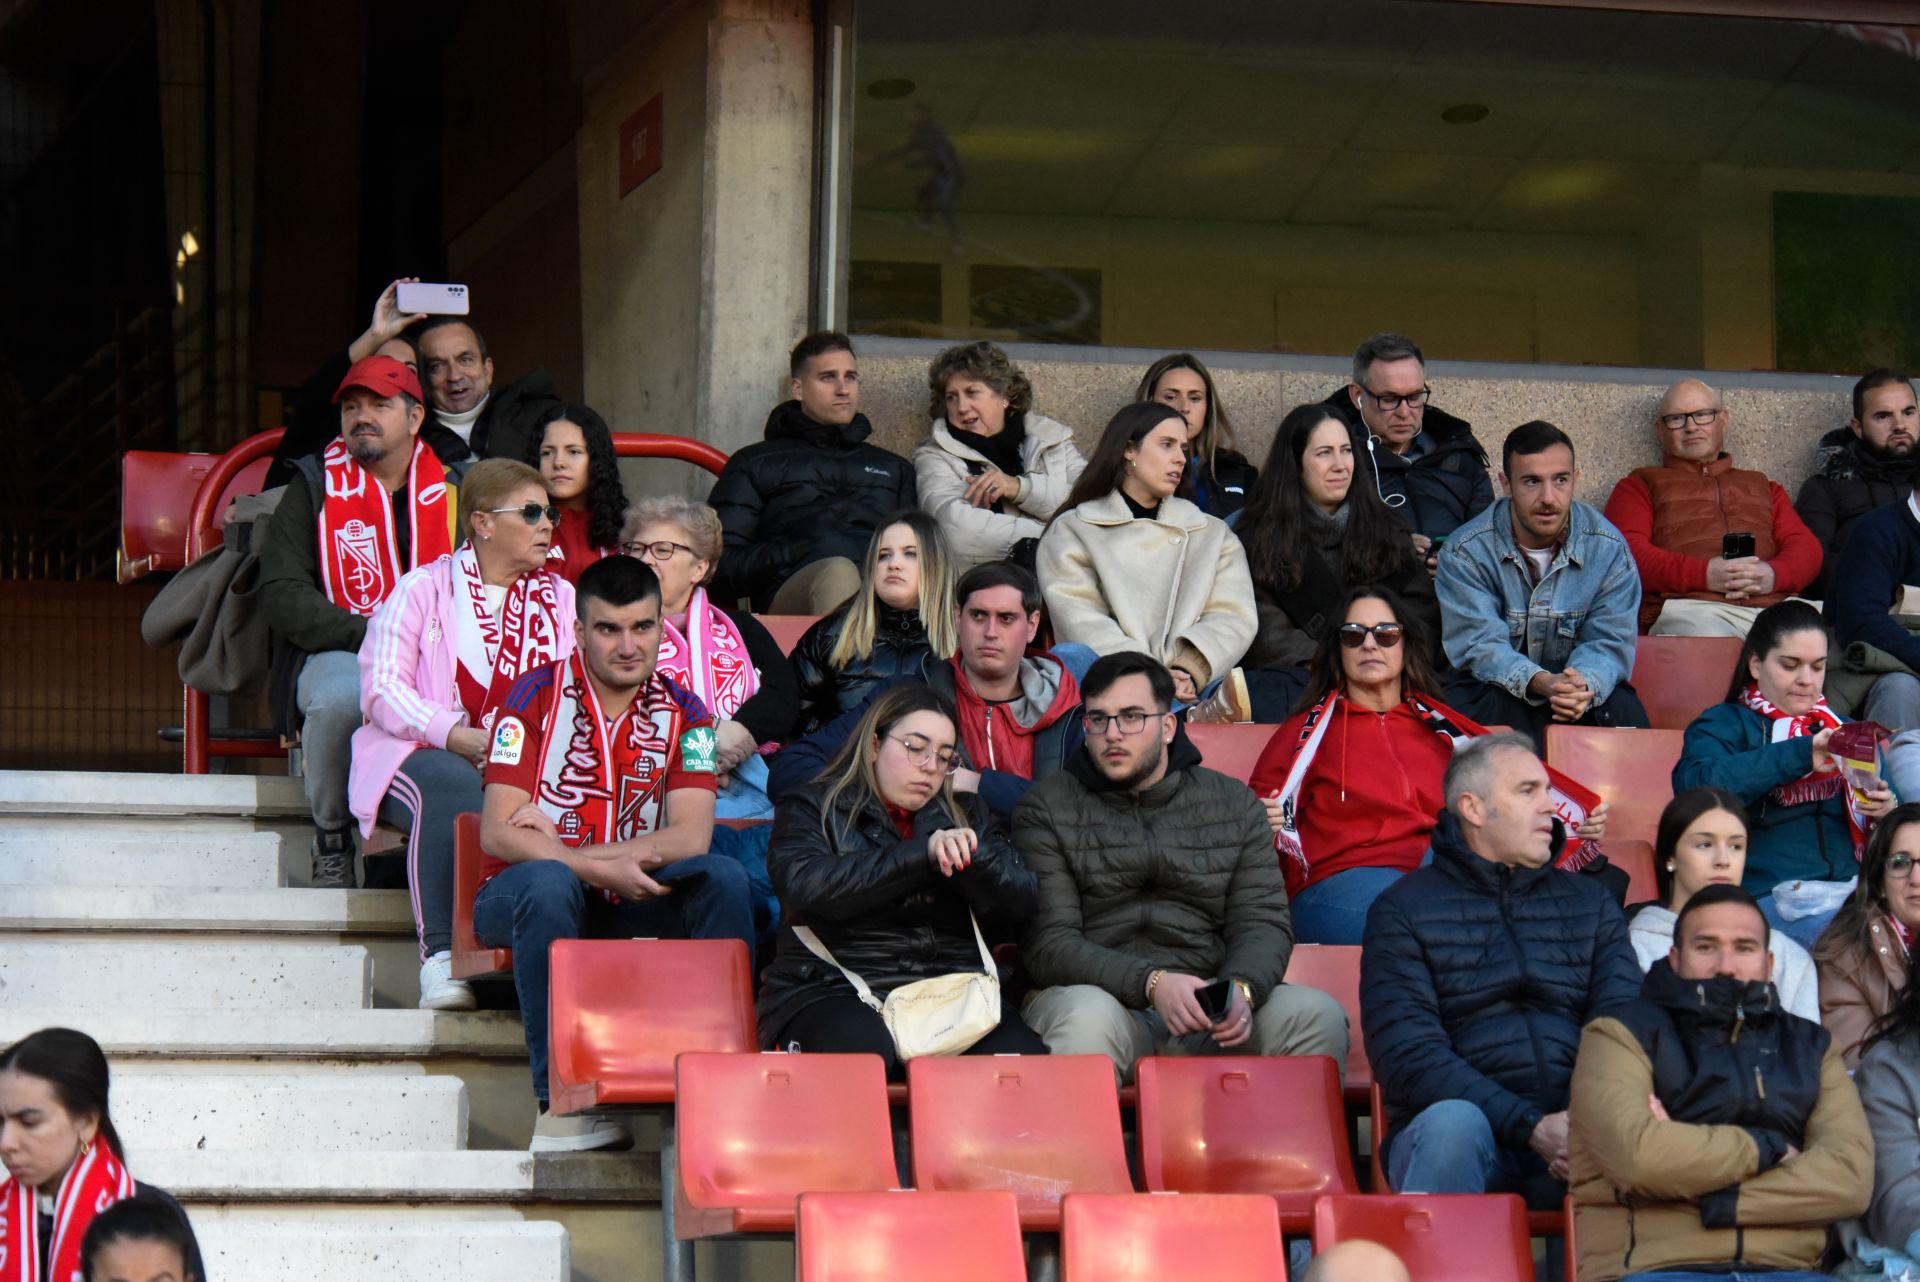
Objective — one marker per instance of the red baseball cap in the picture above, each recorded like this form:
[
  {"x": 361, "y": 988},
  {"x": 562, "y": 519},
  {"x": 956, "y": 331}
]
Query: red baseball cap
[{"x": 381, "y": 375}]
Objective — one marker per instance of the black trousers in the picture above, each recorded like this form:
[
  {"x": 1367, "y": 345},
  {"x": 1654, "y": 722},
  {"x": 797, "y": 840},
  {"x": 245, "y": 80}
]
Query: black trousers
[
  {"x": 845, "y": 1025},
  {"x": 1492, "y": 706}
]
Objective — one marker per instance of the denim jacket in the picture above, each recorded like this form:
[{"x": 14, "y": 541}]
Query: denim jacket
[{"x": 1503, "y": 628}]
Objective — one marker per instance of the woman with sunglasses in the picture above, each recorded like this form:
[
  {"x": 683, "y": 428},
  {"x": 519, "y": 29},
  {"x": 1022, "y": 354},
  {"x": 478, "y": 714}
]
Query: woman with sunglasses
[
  {"x": 1311, "y": 534},
  {"x": 1352, "y": 783},
  {"x": 1865, "y": 955},
  {"x": 573, "y": 448},
  {"x": 451, "y": 633},
  {"x": 884, "y": 870}
]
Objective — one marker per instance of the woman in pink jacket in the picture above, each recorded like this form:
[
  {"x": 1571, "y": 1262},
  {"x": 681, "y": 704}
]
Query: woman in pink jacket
[{"x": 451, "y": 633}]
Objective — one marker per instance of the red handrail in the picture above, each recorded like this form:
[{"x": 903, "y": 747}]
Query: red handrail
[
  {"x": 656, "y": 445},
  {"x": 201, "y": 517}
]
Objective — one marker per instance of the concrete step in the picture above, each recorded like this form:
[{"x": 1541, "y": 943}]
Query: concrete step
[
  {"x": 384, "y": 1246},
  {"x": 353, "y": 1112},
  {"x": 87, "y": 792},
  {"x": 140, "y": 1034},
  {"x": 270, "y": 974},
  {"x": 42, "y": 850},
  {"x": 244, "y": 911},
  {"x": 205, "y": 1175}
]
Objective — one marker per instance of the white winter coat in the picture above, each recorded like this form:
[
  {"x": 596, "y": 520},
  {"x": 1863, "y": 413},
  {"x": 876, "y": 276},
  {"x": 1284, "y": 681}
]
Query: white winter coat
[{"x": 976, "y": 534}]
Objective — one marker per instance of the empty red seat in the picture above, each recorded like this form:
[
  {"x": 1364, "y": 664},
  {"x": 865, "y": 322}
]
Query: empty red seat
[
  {"x": 471, "y": 959},
  {"x": 787, "y": 629},
  {"x": 755, "y": 1132},
  {"x": 156, "y": 498},
  {"x": 1245, "y": 1124},
  {"x": 929, "y": 1237},
  {"x": 1149, "y": 1237},
  {"x": 1678, "y": 678},
  {"x": 621, "y": 1010},
  {"x": 1632, "y": 770},
  {"x": 1334, "y": 969},
  {"x": 1233, "y": 750},
  {"x": 1039, "y": 1126},
  {"x": 1634, "y": 858},
  {"x": 1439, "y": 1237}
]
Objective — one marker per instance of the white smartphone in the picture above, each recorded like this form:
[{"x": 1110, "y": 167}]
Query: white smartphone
[{"x": 435, "y": 300}]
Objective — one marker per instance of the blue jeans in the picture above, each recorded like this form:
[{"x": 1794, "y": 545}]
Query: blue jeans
[
  {"x": 1804, "y": 931},
  {"x": 527, "y": 906},
  {"x": 1744, "y": 1275},
  {"x": 327, "y": 693},
  {"x": 1333, "y": 910},
  {"x": 1449, "y": 1148}
]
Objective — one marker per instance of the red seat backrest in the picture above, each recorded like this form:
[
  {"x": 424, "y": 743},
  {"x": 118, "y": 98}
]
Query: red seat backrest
[
  {"x": 471, "y": 959},
  {"x": 1482, "y": 1236},
  {"x": 156, "y": 496},
  {"x": 787, "y": 629},
  {"x": 1632, "y": 770},
  {"x": 929, "y": 1237},
  {"x": 1233, "y": 750},
  {"x": 1634, "y": 858},
  {"x": 1678, "y": 678},
  {"x": 1140, "y": 1237},
  {"x": 1334, "y": 969}
]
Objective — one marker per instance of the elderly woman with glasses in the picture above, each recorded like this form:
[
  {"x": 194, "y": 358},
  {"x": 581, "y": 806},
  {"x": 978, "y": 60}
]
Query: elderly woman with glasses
[{"x": 438, "y": 654}]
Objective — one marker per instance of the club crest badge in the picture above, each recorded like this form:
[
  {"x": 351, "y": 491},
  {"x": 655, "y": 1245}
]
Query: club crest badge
[{"x": 357, "y": 552}]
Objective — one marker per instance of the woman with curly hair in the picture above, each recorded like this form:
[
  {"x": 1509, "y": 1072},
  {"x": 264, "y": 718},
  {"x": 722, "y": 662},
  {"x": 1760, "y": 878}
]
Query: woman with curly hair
[
  {"x": 992, "y": 470},
  {"x": 573, "y": 448},
  {"x": 1220, "y": 476}
]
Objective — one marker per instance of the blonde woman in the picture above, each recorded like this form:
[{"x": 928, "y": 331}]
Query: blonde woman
[
  {"x": 902, "y": 613},
  {"x": 1220, "y": 479},
  {"x": 890, "y": 871}
]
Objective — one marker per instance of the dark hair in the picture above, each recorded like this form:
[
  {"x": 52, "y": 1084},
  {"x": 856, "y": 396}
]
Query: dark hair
[
  {"x": 75, "y": 1066},
  {"x": 1108, "y": 466},
  {"x": 1536, "y": 437},
  {"x": 1677, "y": 818},
  {"x": 606, "y": 497},
  {"x": 1770, "y": 627},
  {"x": 1325, "y": 673},
  {"x": 1274, "y": 527},
  {"x": 420, "y": 329},
  {"x": 617, "y": 580},
  {"x": 1383, "y": 347},
  {"x": 1876, "y": 378},
  {"x": 818, "y": 343},
  {"x": 1851, "y": 930},
  {"x": 982, "y": 362},
  {"x": 1000, "y": 574},
  {"x": 1707, "y": 897},
  {"x": 140, "y": 1218},
  {"x": 1109, "y": 668},
  {"x": 1216, "y": 432}
]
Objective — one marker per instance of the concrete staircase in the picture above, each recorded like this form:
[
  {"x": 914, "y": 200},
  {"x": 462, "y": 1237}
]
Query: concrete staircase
[{"x": 269, "y": 1065}]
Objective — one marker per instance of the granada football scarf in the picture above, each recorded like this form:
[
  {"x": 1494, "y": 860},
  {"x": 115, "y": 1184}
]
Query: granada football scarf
[
  {"x": 1572, "y": 801},
  {"x": 711, "y": 659},
  {"x": 1816, "y": 785},
  {"x": 359, "y": 555},
  {"x": 492, "y": 652},
  {"x": 96, "y": 1180}
]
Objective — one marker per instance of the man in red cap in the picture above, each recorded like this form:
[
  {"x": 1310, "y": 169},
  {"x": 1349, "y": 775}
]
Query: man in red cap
[{"x": 373, "y": 505}]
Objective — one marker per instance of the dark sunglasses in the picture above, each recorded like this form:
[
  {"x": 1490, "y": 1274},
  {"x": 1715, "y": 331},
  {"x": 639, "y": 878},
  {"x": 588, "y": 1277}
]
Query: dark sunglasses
[
  {"x": 1385, "y": 635},
  {"x": 532, "y": 512}
]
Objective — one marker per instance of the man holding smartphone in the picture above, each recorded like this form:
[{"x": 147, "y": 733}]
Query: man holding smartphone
[{"x": 1715, "y": 544}]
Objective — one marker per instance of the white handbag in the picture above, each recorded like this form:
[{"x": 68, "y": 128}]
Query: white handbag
[{"x": 944, "y": 1015}]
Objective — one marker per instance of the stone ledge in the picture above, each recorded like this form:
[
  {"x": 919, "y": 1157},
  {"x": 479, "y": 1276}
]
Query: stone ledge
[
  {"x": 424, "y": 1250},
  {"x": 473, "y": 1176},
  {"x": 248, "y": 910},
  {"x": 84, "y": 792},
  {"x": 265, "y": 1034},
  {"x": 343, "y": 1111},
  {"x": 270, "y": 974}
]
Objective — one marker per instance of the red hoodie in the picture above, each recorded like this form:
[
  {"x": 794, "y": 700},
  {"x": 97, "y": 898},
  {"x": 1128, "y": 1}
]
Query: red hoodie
[
  {"x": 1372, "y": 795},
  {"x": 994, "y": 734},
  {"x": 572, "y": 550}
]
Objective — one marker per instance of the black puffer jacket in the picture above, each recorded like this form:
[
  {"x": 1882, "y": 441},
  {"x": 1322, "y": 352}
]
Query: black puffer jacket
[
  {"x": 1224, "y": 488},
  {"x": 877, "y": 902},
  {"x": 1476, "y": 978},
  {"x": 899, "y": 646},
  {"x": 805, "y": 493},
  {"x": 1848, "y": 482},
  {"x": 1445, "y": 484}
]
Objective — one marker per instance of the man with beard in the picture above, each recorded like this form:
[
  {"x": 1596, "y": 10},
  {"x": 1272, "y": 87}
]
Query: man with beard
[
  {"x": 1540, "y": 597},
  {"x": 1163, "y": 924},
  {"x": 458, "y": 374},
  {"x": 1865, "y": 465},
  {"x": 374, "y": 505}
]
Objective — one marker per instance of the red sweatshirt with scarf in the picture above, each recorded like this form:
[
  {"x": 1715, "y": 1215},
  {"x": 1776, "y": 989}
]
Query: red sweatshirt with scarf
[
  {"x": 1372, "y": 795},
  {"x": 994, "y": 734}
]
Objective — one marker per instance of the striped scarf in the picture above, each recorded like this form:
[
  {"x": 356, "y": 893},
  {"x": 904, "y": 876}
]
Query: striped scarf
[{"x": 96, "y": 1180}]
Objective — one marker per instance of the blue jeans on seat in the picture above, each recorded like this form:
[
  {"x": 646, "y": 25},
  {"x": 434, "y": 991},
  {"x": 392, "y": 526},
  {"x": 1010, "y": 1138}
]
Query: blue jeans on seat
[
  {"x": 1333, "y": 910},
  {"x": 1803, "y": 932},
  {"x": 527, "y": 906},
  {"x": 1449, "y": 1148}
]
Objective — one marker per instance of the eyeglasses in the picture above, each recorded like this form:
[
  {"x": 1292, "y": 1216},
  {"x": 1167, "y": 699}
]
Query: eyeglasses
[
  {"x": 1385, "y": 635},
  {"x": 1390, "y": 402},
  {"x": 1699, "y": 418},
  {"x": 661, "y": 551},
  {"x": 1130, "y": 721},
  {"x": 532, "y": 512},
  {"x": 921, "y": 751},
  {"x": 1899, "y": 866}
]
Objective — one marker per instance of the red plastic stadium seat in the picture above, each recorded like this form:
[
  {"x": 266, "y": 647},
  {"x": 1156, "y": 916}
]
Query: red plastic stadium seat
[
  {"x": 757, "y": 1131},
  {"x": 929, "y": 1237},
  {"x": 1543, "y": 1223},
  {"x": 1040, "y": 1126},
  {"x": 1245, "y": 1124},
  {"x": 1147, "y": 1237},
  {"x": 1233, "y": 750},
  {"x": 620, "y": 1010},
  {"x": 1334, "y": 969},
  {"x": 1631, "y": 769},
  {"x": 787, "y": 629},
  {"x": 1441, "y": 1237},
  {"x": 1634, "y": 858},
  {"x": 471, "y": 959},
  {"x": 1678, "y": 678}
]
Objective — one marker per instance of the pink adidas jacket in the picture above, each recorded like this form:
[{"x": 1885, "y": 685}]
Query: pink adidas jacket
[{"x": 407, "y": 688}]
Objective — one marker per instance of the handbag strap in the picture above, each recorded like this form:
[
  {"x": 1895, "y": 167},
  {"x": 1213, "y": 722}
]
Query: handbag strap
[{"x": 812, "y": 941}]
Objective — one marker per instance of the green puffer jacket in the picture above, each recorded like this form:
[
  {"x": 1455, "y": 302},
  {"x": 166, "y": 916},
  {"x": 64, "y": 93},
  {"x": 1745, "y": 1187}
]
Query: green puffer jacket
[{"x": 1181, "y": 876}]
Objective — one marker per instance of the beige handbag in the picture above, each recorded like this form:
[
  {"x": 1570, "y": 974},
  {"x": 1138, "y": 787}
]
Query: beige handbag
[{"x": 944, "y": 1015}]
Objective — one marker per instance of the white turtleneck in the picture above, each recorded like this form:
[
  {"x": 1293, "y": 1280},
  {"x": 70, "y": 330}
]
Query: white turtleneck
[{"x": 461, "y": 425}]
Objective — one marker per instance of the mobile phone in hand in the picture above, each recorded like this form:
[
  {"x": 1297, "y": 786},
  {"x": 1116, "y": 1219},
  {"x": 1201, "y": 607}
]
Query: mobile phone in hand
[
  {"x": 1216, "y": 999},
  {"x": 434, "y": 300},
  {"x": 1735, "y": 545}
]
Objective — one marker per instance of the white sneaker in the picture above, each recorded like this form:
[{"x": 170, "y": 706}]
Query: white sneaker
[
  {"x": 577, "y": 1134},
  {"x": 439, "y": 990}
]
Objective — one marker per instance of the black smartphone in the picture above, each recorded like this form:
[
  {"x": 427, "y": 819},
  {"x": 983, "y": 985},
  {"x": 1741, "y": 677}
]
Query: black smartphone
[
  {"x": 1735, "y": 545},
  {"x": 1216, "y": 999}
]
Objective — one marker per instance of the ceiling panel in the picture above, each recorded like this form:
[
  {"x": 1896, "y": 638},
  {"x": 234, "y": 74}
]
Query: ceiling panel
[
  {"x": 1355, "y": 184},
  {"x": 1182, "y": 180},
  {"x": 1044, "y": 172},
  {"x": 1523, "y": 107},
  {"x": 951, "y": 81},
  {"x": 1584, "y": 197},
  {"x": 1798, "y": 127},
  {"x": 1652, "y": 118},
  {"x": 1276, "y": 102},
  {"x": 1121, "y": 94}
]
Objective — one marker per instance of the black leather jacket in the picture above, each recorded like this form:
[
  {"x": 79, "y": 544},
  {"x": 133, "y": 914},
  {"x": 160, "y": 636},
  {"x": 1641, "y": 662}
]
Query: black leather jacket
[{"x": 899, "y": 645}]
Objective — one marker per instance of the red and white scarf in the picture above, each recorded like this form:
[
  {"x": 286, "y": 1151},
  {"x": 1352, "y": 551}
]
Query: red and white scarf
[
  {"x": 1572, "y": 801},
  {"x": 96, "y": 1180},
  {"x": 359, "y": 553},
  {"x": 492, "y": 652},
  {"x": 711, "y": 659},
  {"x": 1815, "y": 785}
]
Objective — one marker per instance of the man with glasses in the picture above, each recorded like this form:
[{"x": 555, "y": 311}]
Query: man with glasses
[
  {"x": 1715, "y": 544},
  {"x": 1163, "y": 923},
  {"x": 374, "y": 505},
  {"x": 1426, "y": 462},
  {"x": 1864, "y": 466}
]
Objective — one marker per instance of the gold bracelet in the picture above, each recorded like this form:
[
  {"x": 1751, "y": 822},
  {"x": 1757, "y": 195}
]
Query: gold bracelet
[
  {"x": 1246, "y": 991},
  {"x": 1153, "y": 982}
]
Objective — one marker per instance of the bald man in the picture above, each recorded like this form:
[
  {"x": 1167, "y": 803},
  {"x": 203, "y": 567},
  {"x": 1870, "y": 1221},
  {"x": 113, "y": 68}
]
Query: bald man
[
  {"x": 1356, "y": 1261},
  {"x": 1682, "y": 518}
]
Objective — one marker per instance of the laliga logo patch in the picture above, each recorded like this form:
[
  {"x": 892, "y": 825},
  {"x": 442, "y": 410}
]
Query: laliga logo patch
[
  {"x": 509, "y": 739},
  {"x": 697, "y": 748}
]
